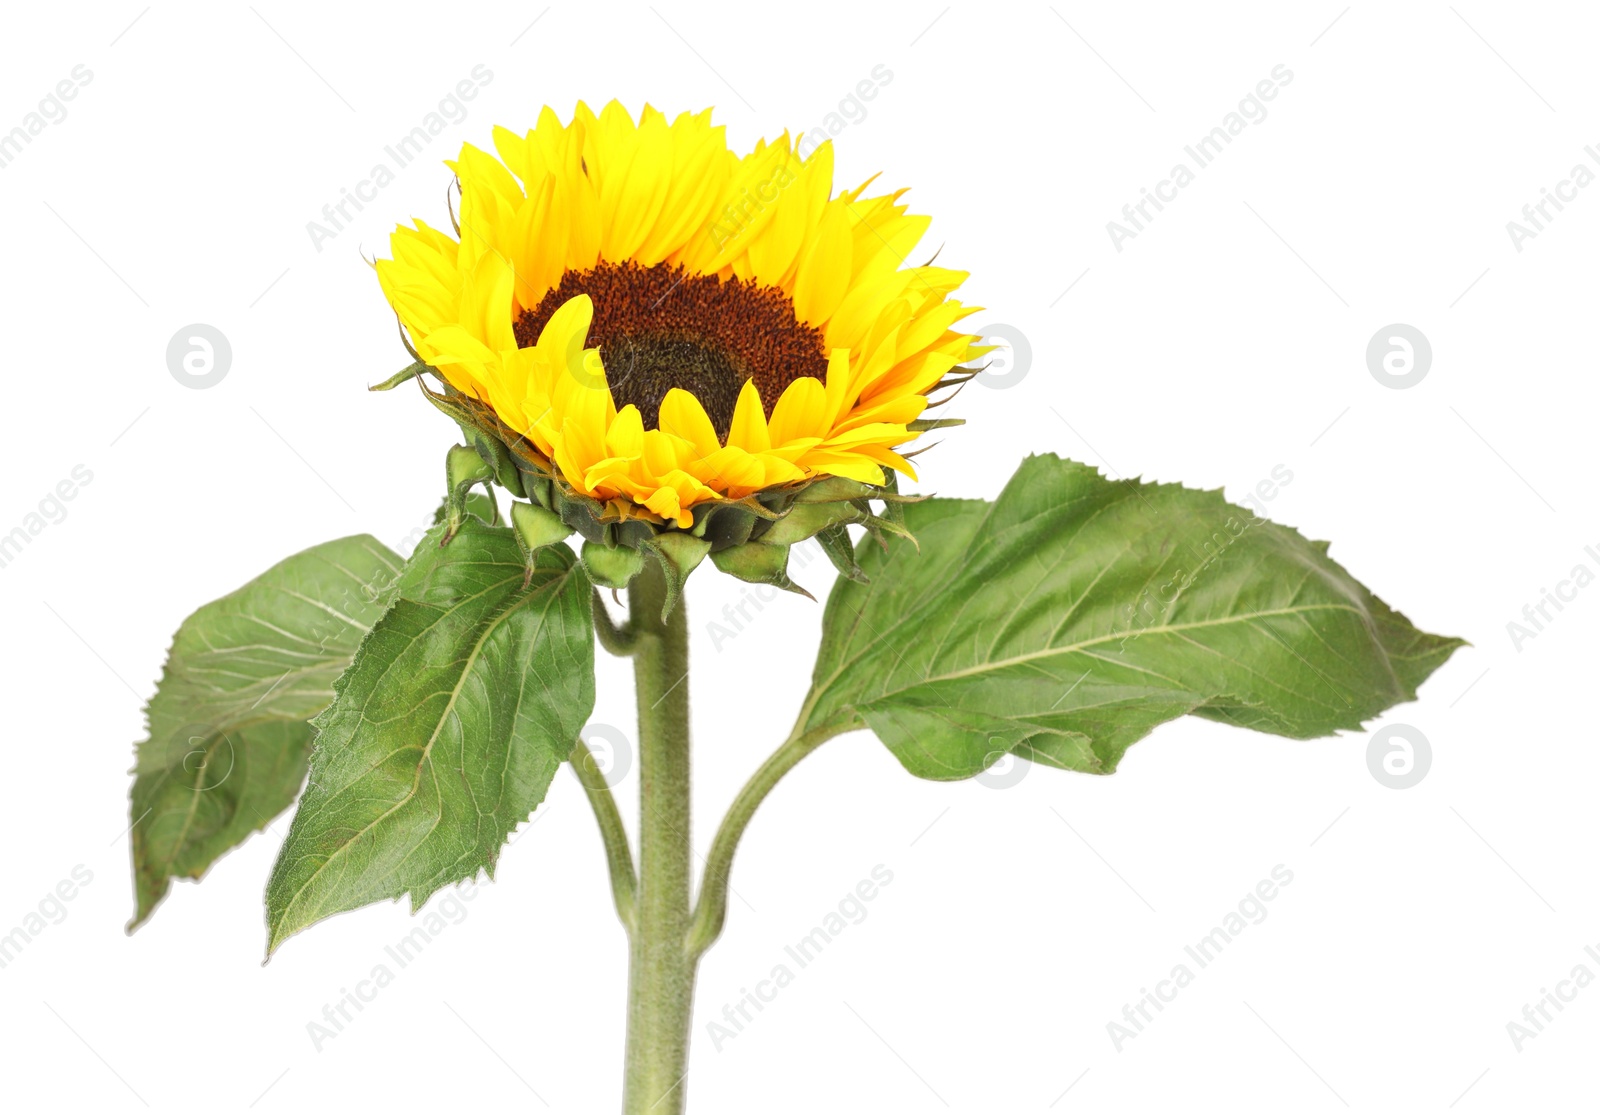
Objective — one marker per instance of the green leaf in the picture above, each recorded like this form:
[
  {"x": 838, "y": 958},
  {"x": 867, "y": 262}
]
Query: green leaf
[
  {"x": 228, "y": 725},
  {"x": 1066, "y": 620},
  {"x": 445, "y": 732}
]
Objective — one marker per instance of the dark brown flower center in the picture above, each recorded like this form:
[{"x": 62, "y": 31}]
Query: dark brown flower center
[{"x": 660, "y": 327}]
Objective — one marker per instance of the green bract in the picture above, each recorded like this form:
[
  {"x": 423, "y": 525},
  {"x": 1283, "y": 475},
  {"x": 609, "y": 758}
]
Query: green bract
[{"x": 748, "y": 538}]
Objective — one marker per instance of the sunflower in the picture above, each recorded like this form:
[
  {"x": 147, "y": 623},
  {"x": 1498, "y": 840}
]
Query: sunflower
[{"x": 662, "y": 326}]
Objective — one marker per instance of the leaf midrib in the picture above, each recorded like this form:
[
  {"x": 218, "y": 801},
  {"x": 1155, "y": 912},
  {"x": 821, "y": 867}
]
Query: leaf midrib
[
  {"x": 956, "y": 571},
  {"x": 1073, "y": 648},
  {"x": 953, "y": 573}
]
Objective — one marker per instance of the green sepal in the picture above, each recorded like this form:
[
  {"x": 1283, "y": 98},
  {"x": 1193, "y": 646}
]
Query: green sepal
[
  {"x": 480, "y": 504},
  {"x": 835, "y": 542},
  {"x": 679, "y": 554},
  {"x": 893, "y": 519},
  {"x": 400, "y": 327},
  {"x": 463, "y": 467},
  {"x": 834, "y": 488},
  {"x": 894, "y": 504},
  {"x": 881, "y": 525},
  {"x": 759, "y": 563},
  {"x": 923, "y": 425},
  {"x": 537, "y": 527},
  {"x": 712, "y": 519},
  {"x": 537, "y": 488},
  {"x": 725, "y": 525},
  {"x": 404, "y": 375},
  {"x": 611, "y": 566},
  {"x": 777, "y": 517},
  {"x": 806, "y": 519},
  {"x": 498, "y": 457}
]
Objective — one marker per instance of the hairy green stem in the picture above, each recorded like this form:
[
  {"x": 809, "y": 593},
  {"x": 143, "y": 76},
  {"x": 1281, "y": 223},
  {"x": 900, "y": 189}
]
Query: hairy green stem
[
  {"x": 619, "y": 858},
  {"x": 711, "y": 908},
  {"x": 661, "y": 971}
]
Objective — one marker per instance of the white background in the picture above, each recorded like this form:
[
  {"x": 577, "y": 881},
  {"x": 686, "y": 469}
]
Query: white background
[{"x": 1227, "y": 338}]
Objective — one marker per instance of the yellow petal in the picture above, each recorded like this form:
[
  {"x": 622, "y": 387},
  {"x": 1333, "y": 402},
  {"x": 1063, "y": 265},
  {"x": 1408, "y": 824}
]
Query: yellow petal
[
  {"x": 625, "y": 438},
  {"x": 749, "y": 428},
  {"x": 801, "y": 412},
  {"x": 824, "y": 274},
  {"x": 701, "y": 166},
  {"x": 561, "y": 340},
  {"x": 854, "y": 467},
  {"x": 683, "y": 416}
]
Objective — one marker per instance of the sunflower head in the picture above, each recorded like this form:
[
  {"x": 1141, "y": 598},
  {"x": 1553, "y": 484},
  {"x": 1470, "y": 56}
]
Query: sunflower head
[{"x": 669, "y": 347}]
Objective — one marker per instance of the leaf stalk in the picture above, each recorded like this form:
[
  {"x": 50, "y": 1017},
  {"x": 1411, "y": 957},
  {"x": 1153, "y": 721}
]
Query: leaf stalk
[{"x": 619, "y": 856}]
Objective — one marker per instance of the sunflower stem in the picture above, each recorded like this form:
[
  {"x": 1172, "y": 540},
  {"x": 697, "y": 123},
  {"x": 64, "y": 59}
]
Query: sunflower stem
[
  {"x": 661, "y": 970},
  {"x": 711, "y": 908}
]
